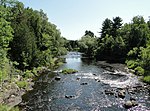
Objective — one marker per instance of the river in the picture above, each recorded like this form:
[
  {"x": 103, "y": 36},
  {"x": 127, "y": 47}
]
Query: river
[{"x": 85, "y": 90}]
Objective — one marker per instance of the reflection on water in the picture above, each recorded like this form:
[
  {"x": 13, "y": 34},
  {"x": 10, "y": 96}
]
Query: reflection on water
[{"x": 83, "y": 91}]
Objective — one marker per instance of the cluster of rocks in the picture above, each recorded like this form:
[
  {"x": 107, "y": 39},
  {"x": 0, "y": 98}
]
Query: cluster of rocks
[
  {"x": 11, "y": 94},
  {"x": 130, "y": 103},
  {"x": 121, "y": 93}
]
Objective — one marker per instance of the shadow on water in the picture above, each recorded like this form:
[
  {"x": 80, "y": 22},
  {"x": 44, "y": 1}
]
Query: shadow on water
[{"x": 82, "y": 91}]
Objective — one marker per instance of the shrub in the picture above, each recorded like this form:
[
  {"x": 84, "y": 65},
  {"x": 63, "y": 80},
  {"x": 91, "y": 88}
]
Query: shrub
[
  {"x": 146, "y": 79},
  {"x": 132, "y": 64},
  {"x": 22, "y": 84},
  {"x": 69, "y": 71},
  {"x": 28, "y": 74},
  {"x": 139, "y": 71}
]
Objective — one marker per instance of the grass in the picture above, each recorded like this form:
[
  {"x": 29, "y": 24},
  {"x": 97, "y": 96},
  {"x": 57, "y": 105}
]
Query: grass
[
  {"x": 7, "y": 108},
  {"x": 69, "y": 71},
  {"x": 22, "y": 84}
]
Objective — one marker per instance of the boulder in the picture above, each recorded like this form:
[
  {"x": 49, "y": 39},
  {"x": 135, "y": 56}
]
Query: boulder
[
  {"x": 128, "y": 104},
  {"x": 134, "y": 103},
  {"x": 121, "y": 94},
  {"x": 78, "y": 78},
  {"x": 57, "y": 78},
  {"x": 12, "y": 96}
]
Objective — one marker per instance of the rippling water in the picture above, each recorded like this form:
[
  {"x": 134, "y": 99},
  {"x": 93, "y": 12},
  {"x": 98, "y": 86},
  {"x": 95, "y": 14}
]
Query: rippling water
[{"x": 83, "y": 91}]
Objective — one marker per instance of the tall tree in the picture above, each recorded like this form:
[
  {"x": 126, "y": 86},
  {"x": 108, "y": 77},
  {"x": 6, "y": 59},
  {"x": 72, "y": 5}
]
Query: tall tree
[
  {"x": 139, "y": 32},
  {"x": 117, "y": 23},
  {"x": 89, "y": 33},
  {"x": 106, "y": 28}
]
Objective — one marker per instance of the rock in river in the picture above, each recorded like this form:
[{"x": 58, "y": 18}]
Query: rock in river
[
  {"x": 57, "y": 78},
  {"x": 121, "y": 94},
  {"x": 69, "y": 96},
  {"x": 84, "y": 83},
  {"x": 130, "y": 104}
]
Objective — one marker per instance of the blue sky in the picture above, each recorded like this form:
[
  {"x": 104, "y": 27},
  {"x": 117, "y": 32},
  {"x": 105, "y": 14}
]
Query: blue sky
[{"x": 73, "y": 17}]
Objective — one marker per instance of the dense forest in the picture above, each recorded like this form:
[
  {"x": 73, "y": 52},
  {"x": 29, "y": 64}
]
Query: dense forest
[
  {"x": 127, "y": 43},
  {"x": 28, "y": 41}
]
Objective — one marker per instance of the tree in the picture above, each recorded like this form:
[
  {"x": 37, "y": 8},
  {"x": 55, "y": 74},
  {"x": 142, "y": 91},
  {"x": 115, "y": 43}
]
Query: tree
[
  {"x": 117, "y": 23},
  {"x": 106, "y": 28},
  {"x": 89, "y": 33},
  {"x": 139, "y": 33},
  {"x": 87, "y": 45},
  {"x": 5, "y": 37}
]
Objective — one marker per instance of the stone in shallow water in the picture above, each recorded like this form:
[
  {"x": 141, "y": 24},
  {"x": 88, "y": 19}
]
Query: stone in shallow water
[
  {"x": 94, "y": 74},
  {"x": 121, "y": 94},
  {"x": 69, "y": 96},
  {"x": 84, "y": 83},
  {"x": 130, "y": 104},
  {"x": 57, "y": 78},
  {"x": 78, "y": 78},
  {"x": 134, "y": 103}
]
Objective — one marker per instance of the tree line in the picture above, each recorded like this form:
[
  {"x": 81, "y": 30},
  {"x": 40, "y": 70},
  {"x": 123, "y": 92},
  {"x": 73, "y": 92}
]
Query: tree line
[
  {"x": 124, "y": 43},
  {"x": 27, "y": 38}
]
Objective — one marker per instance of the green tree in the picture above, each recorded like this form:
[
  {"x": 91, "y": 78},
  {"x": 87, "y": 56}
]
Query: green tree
[
  {"x": 5, "y": 37},
  {"x": 106, "y": 28},
  {"x": 117, "y": 23},
  {"x": 89, "y": 33},
  {"x": 87, "y": 45},
  {"x": 139, "y": 33}
]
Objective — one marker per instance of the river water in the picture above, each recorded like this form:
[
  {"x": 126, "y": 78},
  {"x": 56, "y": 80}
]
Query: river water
[{"x": 85, "y": 90}]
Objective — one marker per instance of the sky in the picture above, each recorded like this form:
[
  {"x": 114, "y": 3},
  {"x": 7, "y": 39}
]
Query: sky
[{"x": 74, "y": 17}]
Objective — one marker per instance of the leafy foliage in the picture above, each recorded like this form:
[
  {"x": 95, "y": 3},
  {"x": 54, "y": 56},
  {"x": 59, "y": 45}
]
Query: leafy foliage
[
  {"x": 147, "y": 79},
  {"x": 36, "y": 41},
  {"x": 22, "y": 84},
  {"x": 128, "y": 43},
  {"x": 88, "y": 44},
  {"x": 7, "y": 108},
  {"x": 69, "y": 71}
]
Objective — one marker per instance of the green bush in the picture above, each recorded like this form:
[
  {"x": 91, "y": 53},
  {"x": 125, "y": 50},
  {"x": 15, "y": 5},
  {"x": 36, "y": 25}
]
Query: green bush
[
  {"x": 7, "y": 108},
  {"x": 22, "y": 84},
  {"x": 139, "y": 71},
  {"x": 28, "y": 74},
  {"x": 131, "y": 64},
  {"x": 4, "y": 108},
  {"x": 146, "y": 79},
  {"x": 69, "y": 71}
]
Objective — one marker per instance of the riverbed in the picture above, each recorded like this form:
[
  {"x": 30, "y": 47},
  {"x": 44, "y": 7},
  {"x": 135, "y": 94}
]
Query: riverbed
[{"x": 93, "y": 88}]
